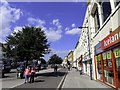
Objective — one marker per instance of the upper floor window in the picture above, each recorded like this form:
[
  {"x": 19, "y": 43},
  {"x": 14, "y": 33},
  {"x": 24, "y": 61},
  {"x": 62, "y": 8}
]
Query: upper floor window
[
  {"x": 117, "y": 2},
  {"x": 106, "y": 10},
  {"x": 96, "y": 18}
]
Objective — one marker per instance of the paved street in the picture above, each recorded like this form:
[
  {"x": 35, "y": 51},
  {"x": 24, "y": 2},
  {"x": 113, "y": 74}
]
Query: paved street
[
  {"x": 45, "y": 79},
  {"x": 75, "y": 80},
  {"x": 11, "y": 75}
]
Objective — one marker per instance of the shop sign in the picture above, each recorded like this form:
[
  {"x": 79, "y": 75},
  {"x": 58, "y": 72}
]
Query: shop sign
[
  {"x": 109, "y": 55},
  {"x": 98, "y": 48},
  {"x": 104, "y": 56},
  {"x": 117, "y": 52},
  {"x": 111, "y": 39}
]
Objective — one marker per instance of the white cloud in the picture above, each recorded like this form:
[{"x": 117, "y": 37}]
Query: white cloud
[
  {"x": 56, "y": 22},
  {"x": 35, "y": 21},
  {"x": 73, "y": 25},
  {"x": 17, "y": 28},
  {"x": 54, "y": 33},
  {"x": 73, "y": 31},
  {"x": 8, "y": 15},
  {"x": 66, "y": 29}
]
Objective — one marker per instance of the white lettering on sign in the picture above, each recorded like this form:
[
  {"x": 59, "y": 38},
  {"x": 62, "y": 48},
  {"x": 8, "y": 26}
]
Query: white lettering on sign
[{"x": 111, "y": 39}]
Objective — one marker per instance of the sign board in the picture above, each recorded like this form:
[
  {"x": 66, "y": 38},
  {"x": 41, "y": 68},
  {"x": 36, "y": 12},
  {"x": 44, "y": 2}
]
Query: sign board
[
  {"x": 111, "y": 39},
  {"x": 98, "y": 48}
]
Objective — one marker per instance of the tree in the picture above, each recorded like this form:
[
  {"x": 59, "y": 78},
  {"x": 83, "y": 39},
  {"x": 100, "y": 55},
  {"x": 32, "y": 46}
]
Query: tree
[
  {"x": 54, "y": 59},
  {"x": 28, "y": 44}
]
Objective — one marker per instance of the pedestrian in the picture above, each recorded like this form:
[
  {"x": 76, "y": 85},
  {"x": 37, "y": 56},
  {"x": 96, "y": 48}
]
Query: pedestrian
[
  {"x": 32, "y": 75},
  {"x": 80, "y": 68},
  {"x": 68, "y": 65},
  {"x": 26, "y": 74},
  {"x": 55, "y": 68}
]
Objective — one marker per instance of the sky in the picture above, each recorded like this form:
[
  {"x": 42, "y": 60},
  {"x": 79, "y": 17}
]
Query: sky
[{"x": 59, "y": 20}]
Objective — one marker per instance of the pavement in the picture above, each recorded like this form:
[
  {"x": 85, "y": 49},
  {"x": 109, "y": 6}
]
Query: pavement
[{"x": 75, "y": 80}]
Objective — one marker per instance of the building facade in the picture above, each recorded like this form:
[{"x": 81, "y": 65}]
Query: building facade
[
  {"x": 106, "y": 40},
  {"x": 70, "y": 57},
  {"x": 99, "y": 44}
]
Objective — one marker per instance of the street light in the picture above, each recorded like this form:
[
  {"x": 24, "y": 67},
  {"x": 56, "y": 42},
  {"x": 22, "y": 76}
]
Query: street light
[{"x": 89, "y": 51}]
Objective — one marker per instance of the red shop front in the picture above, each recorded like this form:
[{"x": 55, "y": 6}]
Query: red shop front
[{"x": 107, "y": 59}]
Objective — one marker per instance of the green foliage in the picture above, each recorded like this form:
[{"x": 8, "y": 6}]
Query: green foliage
[
  {"x": 28, "y": 44},
  {"x": 54, "y": 59}
]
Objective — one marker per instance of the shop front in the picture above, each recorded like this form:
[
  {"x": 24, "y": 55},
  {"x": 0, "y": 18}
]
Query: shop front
[{"x": 107, "y": 59}]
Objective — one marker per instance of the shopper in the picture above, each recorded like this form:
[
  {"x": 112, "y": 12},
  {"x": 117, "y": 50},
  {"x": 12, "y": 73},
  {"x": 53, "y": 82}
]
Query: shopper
[
  {"x": 26, "y": 74},
  {"x": 32, "y": 75}
]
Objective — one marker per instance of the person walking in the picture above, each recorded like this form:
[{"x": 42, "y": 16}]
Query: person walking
[
  {"x": 55, "y": 68},
  {"x": 68, "y": 65},
  {"x": 32, "y": 75},
  {"x": 26, "y": 74}
]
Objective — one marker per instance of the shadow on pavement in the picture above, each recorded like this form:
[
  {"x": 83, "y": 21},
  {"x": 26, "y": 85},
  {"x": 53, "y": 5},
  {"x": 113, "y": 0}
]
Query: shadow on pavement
[
  {"x": 51, "y": 74},
  {"x": 39, "y": 81}
]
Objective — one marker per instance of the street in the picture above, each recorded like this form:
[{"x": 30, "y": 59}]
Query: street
[{"x": 44, "y": 79}]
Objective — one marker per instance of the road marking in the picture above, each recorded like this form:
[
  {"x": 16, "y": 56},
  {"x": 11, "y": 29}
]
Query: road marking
[{"x": 62, "y": 81}]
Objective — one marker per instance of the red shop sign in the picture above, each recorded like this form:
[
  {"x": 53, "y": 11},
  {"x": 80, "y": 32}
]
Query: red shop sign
[{"x": 111, "y": 39}]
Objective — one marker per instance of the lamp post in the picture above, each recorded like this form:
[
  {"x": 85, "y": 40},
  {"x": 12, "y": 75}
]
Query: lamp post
[{"x": 89, "y": 51}]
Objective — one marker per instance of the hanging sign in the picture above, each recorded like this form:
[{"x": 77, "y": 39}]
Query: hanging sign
[
  {"x": 117, "y": 52},
  {"x": 109, "y": 55},
  {"x": 104, "y": 56}
]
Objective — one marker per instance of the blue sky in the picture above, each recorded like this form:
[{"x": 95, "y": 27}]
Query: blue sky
[{"x": 59, "y": 20}]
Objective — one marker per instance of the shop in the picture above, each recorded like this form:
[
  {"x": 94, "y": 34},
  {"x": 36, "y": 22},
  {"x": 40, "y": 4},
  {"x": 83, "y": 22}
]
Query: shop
[{"x": 107, "y": 59}]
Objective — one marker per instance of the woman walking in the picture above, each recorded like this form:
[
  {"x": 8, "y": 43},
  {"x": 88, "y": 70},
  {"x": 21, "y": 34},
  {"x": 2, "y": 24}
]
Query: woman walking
[{"x": 26, "y": 73}]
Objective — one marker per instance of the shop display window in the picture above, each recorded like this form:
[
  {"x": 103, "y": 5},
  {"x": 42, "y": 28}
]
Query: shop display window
[
  {"x": 108, "y": 70},
  {"x": 99, "y": 69},
  {"x": 104, "y": 57},
  {"x": 99, "y": 64},
  {"x": 117, "y": 61}
]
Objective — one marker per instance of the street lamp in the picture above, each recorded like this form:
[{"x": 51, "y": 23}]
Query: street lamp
[{"x": 89, "y": 51}]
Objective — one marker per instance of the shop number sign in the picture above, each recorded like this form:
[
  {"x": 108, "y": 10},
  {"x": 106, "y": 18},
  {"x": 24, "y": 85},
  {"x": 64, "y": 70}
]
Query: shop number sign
[{"x": 117, "y": 52}]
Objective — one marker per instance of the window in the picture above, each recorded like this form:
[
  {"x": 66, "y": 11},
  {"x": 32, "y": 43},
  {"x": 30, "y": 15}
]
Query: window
[
  {"x": 96, "y": 16},
  {"x": 106, "y": 9},
  {"x": 117, "y": 2}
]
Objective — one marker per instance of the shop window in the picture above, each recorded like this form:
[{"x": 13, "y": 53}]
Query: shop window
[
  {"x": 104, "y": 56},
  {"x": 106, "y": 9},
  {"x": 117, "y": 2},
  {"x": 117, "y": 61},
  {"x": 99, "y": 68},
  {"x": 108, "y": 70}
]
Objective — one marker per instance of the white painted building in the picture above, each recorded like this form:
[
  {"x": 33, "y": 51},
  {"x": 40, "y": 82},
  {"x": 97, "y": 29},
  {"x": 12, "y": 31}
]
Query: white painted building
[
  {"x": 100, "y": 41},
  {"x": 1, "y": 51}
]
